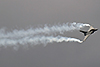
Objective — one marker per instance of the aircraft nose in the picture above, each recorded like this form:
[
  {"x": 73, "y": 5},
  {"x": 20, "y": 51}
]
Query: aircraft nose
[{"x": 96, "y": 29}]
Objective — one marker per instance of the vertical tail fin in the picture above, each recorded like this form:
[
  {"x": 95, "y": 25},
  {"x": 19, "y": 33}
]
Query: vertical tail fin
[{"x": 83, "y": 32}]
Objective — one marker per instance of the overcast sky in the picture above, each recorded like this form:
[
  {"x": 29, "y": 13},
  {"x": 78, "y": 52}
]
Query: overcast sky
[{"x": 21, "y": 14}]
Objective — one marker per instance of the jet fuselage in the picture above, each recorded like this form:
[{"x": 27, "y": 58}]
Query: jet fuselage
[{"x": 89, "y": 32}]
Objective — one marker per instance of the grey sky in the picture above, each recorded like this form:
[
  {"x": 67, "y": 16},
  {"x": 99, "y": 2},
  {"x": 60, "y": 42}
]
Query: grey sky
[{"x": 20, "y": 14}]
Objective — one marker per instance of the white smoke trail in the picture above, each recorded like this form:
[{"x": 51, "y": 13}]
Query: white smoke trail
[
  {"x": 35, "y": 40},
  {"x": 46, "y": 30},
  {"x": 33, "y": 37}
]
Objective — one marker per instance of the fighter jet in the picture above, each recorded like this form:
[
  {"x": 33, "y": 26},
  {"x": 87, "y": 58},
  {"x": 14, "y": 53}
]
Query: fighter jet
[{"x": 89, "y": 32}]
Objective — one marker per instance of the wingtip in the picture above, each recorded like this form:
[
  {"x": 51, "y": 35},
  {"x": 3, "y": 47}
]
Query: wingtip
[{"x": 81, "y": 42}]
